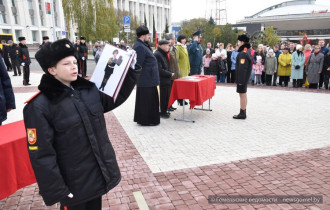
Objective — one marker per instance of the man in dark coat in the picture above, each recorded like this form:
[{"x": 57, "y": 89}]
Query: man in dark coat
[
  {"x": 45, "y": 39},
  {"x": 243, "y": 72},
  {"x": 24, "y": 59},
  {"x": 83, "y": 54},
  {"x": 70, "y": 151},
  {"x": 165, "y": 74},
  {"x": 13, "y": 52},
  {"x": 76, "y": 50},
  {"x": 5, "y": 51},
  {"x": 7, "y": 98},
  {"x": 147, "y": 100},
  {"x": 195, "y": 54},
  {"x": 122, "y": 45}
]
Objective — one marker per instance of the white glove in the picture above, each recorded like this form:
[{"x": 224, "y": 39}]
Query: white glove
[
  {"x": 23, "y": 64},
  {"x": 70, "y": 195},
  {"x": 130, "y": 52},
  {"x": 133, "y": 62},
  {"x": 83, "y": 58}
]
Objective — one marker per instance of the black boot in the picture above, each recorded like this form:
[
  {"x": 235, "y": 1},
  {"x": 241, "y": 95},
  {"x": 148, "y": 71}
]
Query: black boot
[{"x": 241, "y": 115}]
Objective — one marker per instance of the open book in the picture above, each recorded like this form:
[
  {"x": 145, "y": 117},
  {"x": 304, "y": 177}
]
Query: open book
[{"x": 111, "y": 70}]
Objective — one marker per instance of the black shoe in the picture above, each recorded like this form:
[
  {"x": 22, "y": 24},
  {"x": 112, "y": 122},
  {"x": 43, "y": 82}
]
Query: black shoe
[
  {"x": 19, "y": 74},
  {"x": 241, "y": 115},
  {"x": 171, "y": 109},
  {"x": 274, "y": 85},
  {"x": 14, "y": 75},
  {"x": 165, "y": 116},
  {"x": 28, "y": 84},
  {"x": 185, "y": 103}
]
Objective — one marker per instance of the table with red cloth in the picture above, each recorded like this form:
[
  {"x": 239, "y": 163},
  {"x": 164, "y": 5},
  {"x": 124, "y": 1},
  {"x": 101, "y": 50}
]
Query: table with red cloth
[
  {"x": 196, "y": 88},
  {"x": 15, "y": 166}
]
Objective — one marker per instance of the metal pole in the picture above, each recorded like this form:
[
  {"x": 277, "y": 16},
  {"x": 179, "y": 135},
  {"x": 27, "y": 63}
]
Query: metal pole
[
  {"x": 53, "y": 20},
  {"x": 127, "y": 38}
]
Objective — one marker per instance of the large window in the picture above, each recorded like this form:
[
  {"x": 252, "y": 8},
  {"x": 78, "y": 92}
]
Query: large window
[
  {"x": 17, "y": 34},
  {"x": 2, "y": 17},
  {"x": 5, "y": 31},
  {"x": 34, "y": 36}
]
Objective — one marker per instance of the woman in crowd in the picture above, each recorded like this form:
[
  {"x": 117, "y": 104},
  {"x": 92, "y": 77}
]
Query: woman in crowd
[
  {"x": 183, "y": 60},
  {"x": 206, "y": 61},
  {"x": 233, "y": 65},
  {"x": 326, "y": 70},
  {"x": 307, "y": 53},
  {"x": 214, "y": 66},
  {"x": 270, "y": 66},
  {"x": 314, "y": 67},
  {"x": 230, "y": 74},
  {"x": 284, "y": 67},
  {"x": 297, "y": 68},
  {"x": 259, "y": 52}
]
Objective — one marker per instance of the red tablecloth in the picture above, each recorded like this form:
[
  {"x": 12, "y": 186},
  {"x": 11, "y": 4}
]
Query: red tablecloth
[
  {"x": 15, "y": 166},
  {"x": 197, "y": 91}
]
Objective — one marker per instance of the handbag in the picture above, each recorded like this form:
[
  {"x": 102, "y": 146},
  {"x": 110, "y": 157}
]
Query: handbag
[{"x": 297, "y": 67}]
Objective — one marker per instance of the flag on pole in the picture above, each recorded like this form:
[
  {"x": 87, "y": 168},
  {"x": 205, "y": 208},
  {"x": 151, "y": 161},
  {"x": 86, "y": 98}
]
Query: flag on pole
[{"x": 156, "y": 41}]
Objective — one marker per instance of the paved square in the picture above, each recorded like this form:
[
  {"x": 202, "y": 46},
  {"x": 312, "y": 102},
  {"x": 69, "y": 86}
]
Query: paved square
[{"x": 278, "y": 122}]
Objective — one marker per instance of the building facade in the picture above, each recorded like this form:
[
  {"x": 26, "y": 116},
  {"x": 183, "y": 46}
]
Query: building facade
[
  {"x": 292, "y": 19},
  {"x": 160, "y": 9},
  {"x": 31, "y": 19}
]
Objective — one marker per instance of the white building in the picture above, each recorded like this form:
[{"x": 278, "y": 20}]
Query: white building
[
  {"x": 29, "y": 18},
  {"x": 161, "y": 9}
]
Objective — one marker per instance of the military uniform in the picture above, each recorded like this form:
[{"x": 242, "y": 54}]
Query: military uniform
[
  {"x": 243, "y": 68},
  {"x": 25, "y": 61}
]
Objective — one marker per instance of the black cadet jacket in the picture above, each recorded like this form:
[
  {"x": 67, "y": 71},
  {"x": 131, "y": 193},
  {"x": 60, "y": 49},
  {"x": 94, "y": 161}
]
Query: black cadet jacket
[
  {"x": 24, "y": 55},
  {"x": 13, "y": 51},
  {"x": 83, "y": 51},
  {"x": 165, "y": 73},
  {"x": 243, "y": 64},
  {"x": 68, "y": 142}
]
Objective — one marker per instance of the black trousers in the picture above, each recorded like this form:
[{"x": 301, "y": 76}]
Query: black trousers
[
  {"x": 263, "y": 78},
  {"x": 326, "y": 80},
  {"x": 26, "y": 74},
  {"x": 164, "y": 98},
  {"x": 321, "y": 80},
  {"x": 284, "y": 79},
  {"x": 297, "y": 82},
  {"x": 269, "y": 79},
  {"x": 275, "y": 78},
  {"x": 95, "y": 204},
  {"x": 16, "y": 66},
  {"x": 8, "y": 64},
  {"x": 313, "y": 85},
  {"x": 83, "y": 67}
]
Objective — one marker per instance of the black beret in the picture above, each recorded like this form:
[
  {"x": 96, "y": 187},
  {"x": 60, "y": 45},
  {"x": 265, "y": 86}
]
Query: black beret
[
  {"x": 52, "y": 52},
  {"x": 21, "y": 38},
  {"x": 82, "y": 38},
  {"x": 142, "y": 30},
  {"x": 45, "y": 38},
  {"x": 180, "y": 37},
  {"x": 244, "y": 38},
  {"x": 163, "y": 41}
]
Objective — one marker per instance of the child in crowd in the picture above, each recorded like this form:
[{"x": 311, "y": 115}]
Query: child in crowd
[
  {"x": 214, "y": 66},
  {"x": 270, "y": 66},
  {"x": 206, "y": 61},
  {"x": 258, "y": 69}
]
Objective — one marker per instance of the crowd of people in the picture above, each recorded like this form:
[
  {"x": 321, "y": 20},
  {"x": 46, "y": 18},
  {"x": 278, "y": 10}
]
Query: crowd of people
[{"x": 305, "y": 66}]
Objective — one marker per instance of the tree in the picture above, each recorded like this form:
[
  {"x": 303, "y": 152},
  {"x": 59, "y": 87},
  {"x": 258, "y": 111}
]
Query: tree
[
  {"x": 96, "y": 19},
  {"x": 211, "y": 21},
  {"x": 166, "y": 27},
  {"x": 271, "y": 37},
  {"x": 145, "y": 20},
  {"x": 153, "y": 27}
]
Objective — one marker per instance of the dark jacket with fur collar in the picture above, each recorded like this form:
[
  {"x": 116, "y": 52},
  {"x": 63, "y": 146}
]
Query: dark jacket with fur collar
[
  {"x": 243, "y": 65},
  {"x": 70, "y": 151}
]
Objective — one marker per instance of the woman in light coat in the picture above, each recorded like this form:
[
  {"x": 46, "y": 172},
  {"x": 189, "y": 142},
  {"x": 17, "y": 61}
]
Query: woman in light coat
[
  {"x": 297, "y": 67},
  {"x": 183, "y": 57},
  {"x": 314, "y": 67},
  {"x": 284, "y": 67}
]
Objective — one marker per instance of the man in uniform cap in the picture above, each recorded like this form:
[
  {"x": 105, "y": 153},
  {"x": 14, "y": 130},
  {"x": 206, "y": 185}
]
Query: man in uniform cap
[
  {"x": 13, "y": 50},
  {"x": 83, "y": 53},
  {"x": 195, "y": 54},
  {"x": 147, "y": 101},
  {"x": 45, "y": 39},
  {"x": 165, "y": 75},
  {"x": 24, "y": 59},
  {"x": 173, "y": 61},
  {"x": 243, "y": 72}
]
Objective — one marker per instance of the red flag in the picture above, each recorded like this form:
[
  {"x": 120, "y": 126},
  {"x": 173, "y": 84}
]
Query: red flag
[{"x": 156, "y": 41}]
